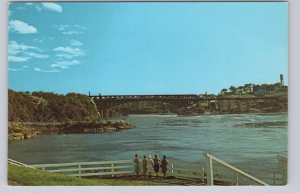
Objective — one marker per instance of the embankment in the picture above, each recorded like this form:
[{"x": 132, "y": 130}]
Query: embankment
[
  {"x": 27, "y": 130},
  {"x": 203, "y": 107}
]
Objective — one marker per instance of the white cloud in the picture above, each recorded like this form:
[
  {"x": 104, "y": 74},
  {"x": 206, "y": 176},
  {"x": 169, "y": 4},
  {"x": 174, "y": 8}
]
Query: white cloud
[
  {"x": 62, "y": 27},
  {"x": 21, "y": 8},
  {"x": 25, "y": 66},
  {"x": 15, "y": 69},
  {"x": 38, "y": 8},
  {"x": 72, "y": 32},
  {"x": 66, "y": 56},
  {"x": 64, "y": 64},
  {"x": 75, "y": 43},
  {"x": 53, "y": 7},
  {"x": 79, "y": 26},
  {"x": 70, "y": 29},
  {"x": 37, "y": 40},
  {"x": 14, "y": 46},
  {"x": 22, "y": 53},
  {"x": 18, "y": 58},
  {"x": 40, "y": 70},
  {"x": 69, "y": 50},
  {"x": 21, "y": 27},
  {"x": 36, "y": 55},
  {"x": 9, "y": 13}
]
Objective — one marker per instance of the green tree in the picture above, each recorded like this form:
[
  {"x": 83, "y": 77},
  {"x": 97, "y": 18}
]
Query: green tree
[{"x": 233, "y": 89}]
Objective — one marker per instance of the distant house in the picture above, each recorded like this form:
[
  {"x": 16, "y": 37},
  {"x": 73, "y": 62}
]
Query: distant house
[
  {"x": 248, "y": 88},
  {"x": 262, "y": 92},
  {"x": 240, "y": 90},
  {"x": 258, "y": 90},
  {"x": 224, "y": 91}
]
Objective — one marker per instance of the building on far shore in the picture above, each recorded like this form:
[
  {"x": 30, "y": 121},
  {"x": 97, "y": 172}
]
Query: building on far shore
[
  {"x": 257, "y": 90},
  {"x": 281, "y": 80}
]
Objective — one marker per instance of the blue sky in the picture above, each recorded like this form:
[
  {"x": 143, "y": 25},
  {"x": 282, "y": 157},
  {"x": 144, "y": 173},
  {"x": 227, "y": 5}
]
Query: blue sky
[{"x": 145, "y": 48}]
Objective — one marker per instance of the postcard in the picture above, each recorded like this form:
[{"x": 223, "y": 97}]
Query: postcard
[{"x": 147, "y": 93}]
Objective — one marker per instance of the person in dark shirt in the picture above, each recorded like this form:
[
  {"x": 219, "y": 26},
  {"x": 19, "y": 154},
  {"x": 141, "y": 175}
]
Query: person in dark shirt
[
  {"x": 156, "y": 161},
  {"x": 137, "y": 167},
  {"x": 164, "y": 165}
]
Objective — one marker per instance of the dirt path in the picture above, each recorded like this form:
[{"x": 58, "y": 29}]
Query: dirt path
[{"x": 167, "y": 180}]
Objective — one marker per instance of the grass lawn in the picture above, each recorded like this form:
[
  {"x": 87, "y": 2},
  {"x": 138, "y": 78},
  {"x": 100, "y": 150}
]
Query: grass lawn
[{"x": 29, "y": 177}]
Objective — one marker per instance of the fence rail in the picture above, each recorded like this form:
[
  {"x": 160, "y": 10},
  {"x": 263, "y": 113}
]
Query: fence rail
[
  {"x": 16, "y": 163},
  {"x": 80, "y": 169},
  {"x": 210, "y": 172}
]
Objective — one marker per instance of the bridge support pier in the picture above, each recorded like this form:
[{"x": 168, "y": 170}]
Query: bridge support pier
[
  {"x": 247, "y": 105},
  {"x": 228, "y": 105}
]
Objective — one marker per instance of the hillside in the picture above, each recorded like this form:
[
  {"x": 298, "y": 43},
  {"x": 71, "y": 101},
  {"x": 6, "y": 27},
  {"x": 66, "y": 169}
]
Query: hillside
[{"x": 50, "y": 107}]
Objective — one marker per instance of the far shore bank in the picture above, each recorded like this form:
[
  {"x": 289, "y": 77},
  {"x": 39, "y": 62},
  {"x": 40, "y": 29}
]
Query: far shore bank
[
  {"x": 214, "y": 107},
  {"x": 27, "y": 130}
]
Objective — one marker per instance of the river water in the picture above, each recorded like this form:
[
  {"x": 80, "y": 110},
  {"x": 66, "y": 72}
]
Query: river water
[{"x": 250, "y": 141}]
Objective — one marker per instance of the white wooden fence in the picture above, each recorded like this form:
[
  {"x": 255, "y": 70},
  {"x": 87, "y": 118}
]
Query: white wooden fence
[
  {"x": 214, "y": 172},
  {"x": 218, "y": 172},
  {"x": 282, "y": 166},
  {"x": 239, "y": 173},
  {"x": 16, "y": 163},
  {"x": 82, "y": 169}
]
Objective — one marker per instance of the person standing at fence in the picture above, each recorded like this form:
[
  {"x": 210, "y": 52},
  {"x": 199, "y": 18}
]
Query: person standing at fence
[
  {"x": 164, "y": 165},
  {"x": 156, "y": 162},
  {"x": 137, "y": 167},
  {"x": 145, "y": 165},
  {"x": 150, "y": 165}
]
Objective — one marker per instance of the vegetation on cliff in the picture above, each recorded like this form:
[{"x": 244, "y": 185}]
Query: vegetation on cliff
[
  {"x": 278, "y": 104},
  {"x": 144, "y": 107},
  {"x": 31, "y": 114},
  {"x": 50, "y": 107}
]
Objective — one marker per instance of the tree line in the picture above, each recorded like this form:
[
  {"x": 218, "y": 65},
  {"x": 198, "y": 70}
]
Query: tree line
[{"x": 50, "y": 107}]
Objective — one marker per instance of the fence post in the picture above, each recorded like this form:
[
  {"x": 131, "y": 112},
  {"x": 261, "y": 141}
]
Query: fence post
[
  {"x": 79, "y": 170},
  {"x": 202, "y": 174},
  {"x": 282, "y": 167},
  {"x": 274, "y": 178},
  {"x": 210, "y": 177},
  {"x": 172, "y": 169},
  {"x": 237, "y": 179},
  {"x": 112, "y": 170}
]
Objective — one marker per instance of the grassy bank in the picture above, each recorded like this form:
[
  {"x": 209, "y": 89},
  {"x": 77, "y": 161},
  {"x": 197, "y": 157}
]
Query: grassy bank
[{"x": 29, "y": 177}]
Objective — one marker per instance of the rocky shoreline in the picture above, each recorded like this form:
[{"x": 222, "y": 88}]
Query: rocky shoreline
[
  {"x": 27, "y": 130},
  {"x": 213, "y": 107}
]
